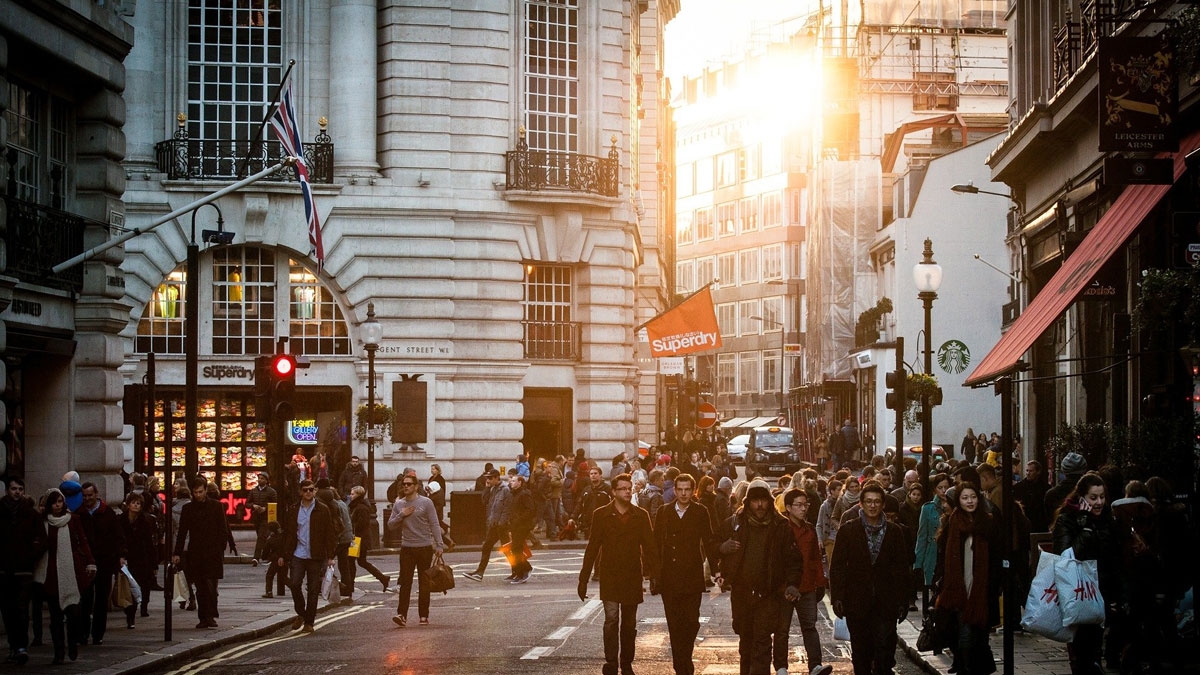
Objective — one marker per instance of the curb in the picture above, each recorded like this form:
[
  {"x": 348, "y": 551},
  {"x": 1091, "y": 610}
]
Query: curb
[
  {"x": 179, "y": 652},
  {"x": 906, "y": 637}
]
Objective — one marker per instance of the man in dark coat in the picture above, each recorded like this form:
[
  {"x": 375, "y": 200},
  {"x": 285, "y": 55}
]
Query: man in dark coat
[
  {"x": 202, "y": 526},
  {"x": 593, "y": 495},
  {"x": 870, "y": 577},
  {"x": 762, "y": 568},
  {"x": 621, "y": 538},
  {"x": 309, "y": 543},
  {"x": 24, "y": 540},
  {"x": 684, "y": 539},
  {"x": 352, "y": 474},
  {"x": 102, "y": 527},
  {"x": 257, "y": 500}
]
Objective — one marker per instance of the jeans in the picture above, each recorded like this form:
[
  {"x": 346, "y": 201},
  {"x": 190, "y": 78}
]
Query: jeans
[
  {"x": 521, "y": 566},
  {"x": 620, "y": 634},
  {"x": 495, "y": 534},
  {"x": 806, "y": 615},
  {"x": 346, "y": 569},
  {"x": 263, "y": 531},
  {"x": 758, "y": 620},
  {"x": 683, "y": 624},
  {"x": 14, "y": 601},
  {"x": 93, "y": 607},
  {"x": 873, "y": 642},
  {"x": 274, "y": 572},
  {"x": 361, "y": 561},
  {"x": 305, "y": 599},
  {"x": 414, "y": 559},
  {"x": 551, "y": 510}
]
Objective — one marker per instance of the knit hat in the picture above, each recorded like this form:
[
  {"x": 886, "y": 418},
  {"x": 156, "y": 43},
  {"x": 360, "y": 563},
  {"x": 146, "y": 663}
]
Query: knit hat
[
  {"x": 758, "y": 488},
  {"x": 725, "y": 483},
  {"x": 1074, "y": 463},
  {"x": 664, "y": 459},
  {"x": 73, "y": 493}
]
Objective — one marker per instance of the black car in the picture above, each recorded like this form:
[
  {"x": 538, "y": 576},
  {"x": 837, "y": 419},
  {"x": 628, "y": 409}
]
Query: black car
[{"x": 773, "y": 451}]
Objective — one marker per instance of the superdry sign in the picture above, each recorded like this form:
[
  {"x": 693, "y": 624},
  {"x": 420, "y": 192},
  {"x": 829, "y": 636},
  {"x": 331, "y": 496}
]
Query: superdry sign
[{"x": 687, "y": 328}]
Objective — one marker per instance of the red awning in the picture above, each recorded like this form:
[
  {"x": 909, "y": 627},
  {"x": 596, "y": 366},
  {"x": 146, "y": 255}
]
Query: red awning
[{"x": 1105, "y": 239}]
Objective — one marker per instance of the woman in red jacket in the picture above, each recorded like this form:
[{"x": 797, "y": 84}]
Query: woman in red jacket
[
  {"x": 812, "y": 587},
  {"x": 64, "y": 572},
  {"x": 966, "y": 576}
]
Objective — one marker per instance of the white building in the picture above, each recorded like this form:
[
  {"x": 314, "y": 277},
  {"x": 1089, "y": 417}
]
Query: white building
[{"x": 477, "y": 182}]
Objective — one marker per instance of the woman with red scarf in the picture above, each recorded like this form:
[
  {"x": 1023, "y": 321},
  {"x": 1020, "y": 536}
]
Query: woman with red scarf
[{"x": 967, "y": 576}]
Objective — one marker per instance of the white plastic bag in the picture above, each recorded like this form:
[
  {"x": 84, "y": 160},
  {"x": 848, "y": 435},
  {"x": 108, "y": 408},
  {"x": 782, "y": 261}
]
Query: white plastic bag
[
  {"x": 1079, "y": 596},
  {"x": 331, "y": 586},
  {"x": 840, "y": 630},
  {"x": 1042, "y": 614},
  {"x": 133, "y": 585},
  {"x": 180, "y": 588}
]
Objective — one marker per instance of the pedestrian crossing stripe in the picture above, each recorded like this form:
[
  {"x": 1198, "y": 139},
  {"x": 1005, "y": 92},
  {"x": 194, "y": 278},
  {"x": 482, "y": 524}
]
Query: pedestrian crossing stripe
[{"x": 650, "y": 620}]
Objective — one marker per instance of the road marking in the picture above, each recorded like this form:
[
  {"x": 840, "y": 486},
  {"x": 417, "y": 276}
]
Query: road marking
[
  {"x": 536, "y": 653},
  {"x": 562, "y": 633},
  {"x": 243, "y": 649},
  {"x": 585, "y": 611}
]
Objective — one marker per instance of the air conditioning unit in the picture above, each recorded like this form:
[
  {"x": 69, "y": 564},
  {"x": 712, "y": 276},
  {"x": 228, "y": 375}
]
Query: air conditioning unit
[{"x": 863, "y": 360}]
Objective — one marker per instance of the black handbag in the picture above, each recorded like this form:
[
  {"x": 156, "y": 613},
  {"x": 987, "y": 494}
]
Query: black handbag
[{"x": 439, "y": 576}]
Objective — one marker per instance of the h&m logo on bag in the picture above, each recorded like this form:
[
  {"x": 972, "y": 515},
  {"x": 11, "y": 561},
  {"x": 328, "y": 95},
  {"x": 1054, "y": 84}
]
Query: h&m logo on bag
[
  {"x": 1050, "y": 595},
  {"x": 1086, "y": 590}
]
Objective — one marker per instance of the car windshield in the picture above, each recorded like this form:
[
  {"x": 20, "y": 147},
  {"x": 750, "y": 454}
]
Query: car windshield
[{"x": 766, "y": 439}]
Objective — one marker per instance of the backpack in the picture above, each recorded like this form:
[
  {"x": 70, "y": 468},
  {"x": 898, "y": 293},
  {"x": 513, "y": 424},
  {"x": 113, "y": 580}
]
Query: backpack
[{"x": 338, "y": 526}]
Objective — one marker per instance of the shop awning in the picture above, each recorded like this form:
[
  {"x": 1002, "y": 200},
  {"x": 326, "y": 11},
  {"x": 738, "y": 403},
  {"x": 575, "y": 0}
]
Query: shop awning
[
  {"x": 763, "y": 421},
  {"x": 1105, "y": 239},
  {"x": 735, "y": 423}
]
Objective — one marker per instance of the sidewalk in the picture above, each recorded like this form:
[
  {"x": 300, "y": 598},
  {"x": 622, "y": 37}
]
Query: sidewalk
[
  {"x": 1032, "y": 654},
  {"x": 245, "y": 615}
]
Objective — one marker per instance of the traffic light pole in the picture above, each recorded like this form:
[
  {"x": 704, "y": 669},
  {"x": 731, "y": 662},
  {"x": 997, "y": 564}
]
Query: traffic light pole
[{"x": 898, "y": 456}]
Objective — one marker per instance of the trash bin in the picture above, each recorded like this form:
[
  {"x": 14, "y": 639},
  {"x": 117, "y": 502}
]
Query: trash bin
[
  {"x": 467, "y": 518},
  {"x": 391, "y": 538}
]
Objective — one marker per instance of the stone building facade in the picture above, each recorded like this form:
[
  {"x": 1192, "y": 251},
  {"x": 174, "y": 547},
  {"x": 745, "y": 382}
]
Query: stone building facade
[{"x": 475, "y": 182}]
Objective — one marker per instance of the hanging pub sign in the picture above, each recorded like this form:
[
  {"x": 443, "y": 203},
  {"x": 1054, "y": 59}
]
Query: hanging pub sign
[{"x": 1138, "y": 95}]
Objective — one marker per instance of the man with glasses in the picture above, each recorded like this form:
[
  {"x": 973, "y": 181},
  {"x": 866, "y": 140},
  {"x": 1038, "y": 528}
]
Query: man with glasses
[
  {"x": 24, "y": 542},
  {"x": 797, "y": 505},
  {"x": 870, "y": 583},
  {"x": 415, "y": 516},
  {"x": 622, "y": 538},
  {"x": 310, "y": 542}
]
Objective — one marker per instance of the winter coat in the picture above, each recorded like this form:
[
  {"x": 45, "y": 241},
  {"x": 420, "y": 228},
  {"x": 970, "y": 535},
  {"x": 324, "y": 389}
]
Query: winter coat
[
  {"x": 23, "y": 535},
  {"x": 524, "y": 510},
  {"x": 926, "y": 547},
  {"x": 621, "y": 544},
  {"x": 360, "y": 517},
  {"x": 202, "y": 526},
  {"x": 864, "y": 588},
  {"x": 591, "y": 497},
  {"x": 351, "y": 477},
  {"x": 683, "y": 544},
  {"x": 322, "y": 541},
  {"x": 103, "y": 530},
  {"x": 497, "y": 503},
  {"x": 141, "y": 552},
  {"x": 260, "y": 497},
  {"x": 812, "y": 577},
  {"x": 784, "y": 565},
  {"x": 651, "y": 499},
  {"x": 1093, "y": 538},
  {"x": 80, "y": 552}
]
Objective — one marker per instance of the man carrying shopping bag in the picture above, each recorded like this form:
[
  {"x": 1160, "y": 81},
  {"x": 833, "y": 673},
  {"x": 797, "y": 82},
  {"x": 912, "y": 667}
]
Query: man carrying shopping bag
[{"x": 309, "y": 543}]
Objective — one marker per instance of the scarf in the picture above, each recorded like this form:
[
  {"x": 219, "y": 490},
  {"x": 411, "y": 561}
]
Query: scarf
[
  {"x": 875, "y": 535},
  {"x": 971, "y": 603},
  {"x": 64, "y": 559}
]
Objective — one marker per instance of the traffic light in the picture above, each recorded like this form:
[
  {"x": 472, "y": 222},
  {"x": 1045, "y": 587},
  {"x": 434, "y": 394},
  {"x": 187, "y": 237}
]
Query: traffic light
[
  {"x": 262, "y": 388},
  {"x": 687, "y": 405},
  {"x": 897, "y": 398},
  {"x": 283, "y": 387}
]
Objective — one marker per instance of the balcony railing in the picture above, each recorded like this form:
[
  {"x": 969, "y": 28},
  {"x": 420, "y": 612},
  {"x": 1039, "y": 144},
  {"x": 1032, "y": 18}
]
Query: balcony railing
[
  {"x": 184, "y": 158},
  {"x": 552, "y": 340},
  {"x": 537, "y": 170},
  {"x": 1066, "y": 52},
  {"x": 38, "y": 238}
]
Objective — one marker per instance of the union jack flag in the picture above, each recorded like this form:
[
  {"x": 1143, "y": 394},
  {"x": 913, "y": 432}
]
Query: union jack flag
[{"x": 287, "y": 129}]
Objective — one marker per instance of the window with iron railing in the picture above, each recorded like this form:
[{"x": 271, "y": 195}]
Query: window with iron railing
[
  {"x": 549, "y": 332},
  {"x": 37, "y": 145}
]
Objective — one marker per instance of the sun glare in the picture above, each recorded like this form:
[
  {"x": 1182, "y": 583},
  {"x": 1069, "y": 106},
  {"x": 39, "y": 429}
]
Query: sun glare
[{"x": 784, "y": 92}]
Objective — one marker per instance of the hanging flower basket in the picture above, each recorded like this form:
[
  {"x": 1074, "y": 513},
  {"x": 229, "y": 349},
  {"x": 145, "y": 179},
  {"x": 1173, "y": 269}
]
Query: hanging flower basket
[
  {"x": 383, "y": 418},
  {"x": 916, "y": 386}
]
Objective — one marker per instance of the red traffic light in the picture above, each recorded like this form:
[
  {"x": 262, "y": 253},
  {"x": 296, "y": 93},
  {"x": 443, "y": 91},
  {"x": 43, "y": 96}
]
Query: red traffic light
[{"x": 283, "y": 365}]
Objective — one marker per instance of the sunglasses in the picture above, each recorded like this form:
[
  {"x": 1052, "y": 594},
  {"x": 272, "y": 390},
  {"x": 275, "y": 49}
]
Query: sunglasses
[
  {"x": 308, "y": 489},
  {"x": 408, "y": 484}
]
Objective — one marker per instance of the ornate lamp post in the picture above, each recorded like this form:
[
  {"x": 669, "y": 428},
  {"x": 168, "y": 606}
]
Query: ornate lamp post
[
  {"x": 927, "y": 275},
  {"x": 371, "y": 332}
]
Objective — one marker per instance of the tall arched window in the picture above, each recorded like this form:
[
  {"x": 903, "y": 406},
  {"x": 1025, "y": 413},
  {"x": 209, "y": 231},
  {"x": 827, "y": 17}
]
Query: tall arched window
[{"x": 243, "y": 290}]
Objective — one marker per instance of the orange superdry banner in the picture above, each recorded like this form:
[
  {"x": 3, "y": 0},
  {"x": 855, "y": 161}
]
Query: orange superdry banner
[{"x": 687, "y": 328}]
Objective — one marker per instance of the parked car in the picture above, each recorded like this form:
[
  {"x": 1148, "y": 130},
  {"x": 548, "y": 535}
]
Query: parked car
[
  {"x": 772, "y": 451},
  {"x": 915, "y": 451},
  {"x": 736, "y": 448}
]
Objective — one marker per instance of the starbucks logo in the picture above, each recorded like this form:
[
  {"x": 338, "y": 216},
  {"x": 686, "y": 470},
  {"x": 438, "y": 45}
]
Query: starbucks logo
[{"x": 953, "y": 356}]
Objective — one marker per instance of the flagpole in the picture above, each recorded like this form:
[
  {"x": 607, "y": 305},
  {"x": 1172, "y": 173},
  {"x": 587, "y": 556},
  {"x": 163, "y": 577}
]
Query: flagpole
[
  {"x": 691, "y": 295},
  {"x": 267, "y": 118}
]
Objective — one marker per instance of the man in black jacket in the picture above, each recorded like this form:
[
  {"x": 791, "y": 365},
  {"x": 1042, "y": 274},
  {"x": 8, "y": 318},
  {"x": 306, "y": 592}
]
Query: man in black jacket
[
  {"x": 684, "y": 539},
  {"x": 762, "y": 568},
  {"x": 202, "y": 526},
  {"x": 24, "y": 540},
  {"x": 102, "y": 526},
  {"x": 257, "y": 500},
  {"x": 870, "y": 579},
  {"x": 309, "y": 542},
  {"x": 594, "y": 495}
]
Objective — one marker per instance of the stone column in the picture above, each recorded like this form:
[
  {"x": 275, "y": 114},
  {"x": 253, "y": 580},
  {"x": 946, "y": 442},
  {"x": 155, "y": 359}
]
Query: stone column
[{"x": 352, "y": 86}]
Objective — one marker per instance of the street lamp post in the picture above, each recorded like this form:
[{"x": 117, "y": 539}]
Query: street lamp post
[
  {"x": 371, "y": 331},
  {"x": 191, "y": 344},
  {"x": 927, "y": 275}
]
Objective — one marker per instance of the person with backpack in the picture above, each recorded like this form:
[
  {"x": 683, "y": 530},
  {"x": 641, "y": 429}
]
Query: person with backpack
[{"x": 651, "y": 498}]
